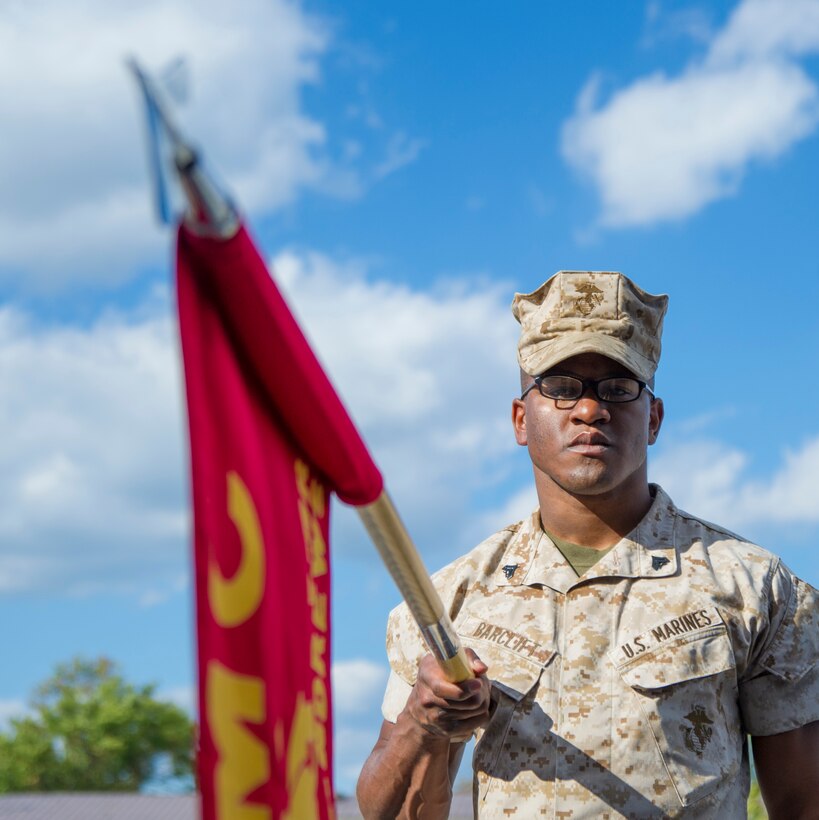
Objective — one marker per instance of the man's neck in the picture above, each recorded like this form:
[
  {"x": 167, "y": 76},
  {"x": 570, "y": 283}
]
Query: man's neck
[{"x": 598, "y": 521}]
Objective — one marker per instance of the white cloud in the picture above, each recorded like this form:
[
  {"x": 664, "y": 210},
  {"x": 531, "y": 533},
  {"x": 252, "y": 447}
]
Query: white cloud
[
  {"x": 92, "y": 490},
  {"x": 429, "y": 376},
  {"x": 768, "y": 28},
  {"x": 403, "y": 354},
  {"x": 11, "y": 709},
  {"x": 167, "y": 589},
  {"x": 702, "y": 477},
  {"x": 401, "y": 150},
  {"x": 75, "y": 206},
  {"x": 91, "y": 493},
  {"x": 664, "y": 147},
  {"x": 352, "y": 746},
  {"x": 75, "y": 196},
  {"x": 182, "y": 696},
  {"x": 358, "y": 688},
  {"x": 357, "y": 684},
  {"x": 710, "y": 479},
  {"x": 666, "y": 24},
  {"x": 516, "y": 507}
]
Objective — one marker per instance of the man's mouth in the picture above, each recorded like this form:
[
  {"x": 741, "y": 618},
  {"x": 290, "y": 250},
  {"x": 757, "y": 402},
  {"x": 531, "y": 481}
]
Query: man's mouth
[{"x": 589, "y": 444}]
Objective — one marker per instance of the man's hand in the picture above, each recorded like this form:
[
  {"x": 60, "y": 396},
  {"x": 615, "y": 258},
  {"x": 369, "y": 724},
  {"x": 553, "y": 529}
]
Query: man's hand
[
  {"x": 414, "y": 762},
  {"x": 449, "y": 710}
]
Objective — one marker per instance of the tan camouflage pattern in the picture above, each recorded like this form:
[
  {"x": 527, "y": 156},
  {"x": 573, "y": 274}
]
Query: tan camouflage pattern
[
  {"x": 627, "y": 692},
  {"x": 589, "y": 312}
]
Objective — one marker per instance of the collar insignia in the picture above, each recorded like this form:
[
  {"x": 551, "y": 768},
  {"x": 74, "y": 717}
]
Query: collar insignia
[
  {"x": 509, "y": 570},
  {"x": 658, "y": 561}
]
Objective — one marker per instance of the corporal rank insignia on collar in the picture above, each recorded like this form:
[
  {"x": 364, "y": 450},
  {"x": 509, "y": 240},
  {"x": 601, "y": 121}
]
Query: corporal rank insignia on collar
[
  {"x": 509, "y": 570},
  {"x": 658, "y": 561}
]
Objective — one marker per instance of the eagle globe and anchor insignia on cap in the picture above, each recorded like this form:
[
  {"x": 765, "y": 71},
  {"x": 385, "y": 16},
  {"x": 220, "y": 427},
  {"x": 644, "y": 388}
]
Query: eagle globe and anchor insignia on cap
[
  {"x": 600, "y": 312},
  {"x": 591, "y": 297}
]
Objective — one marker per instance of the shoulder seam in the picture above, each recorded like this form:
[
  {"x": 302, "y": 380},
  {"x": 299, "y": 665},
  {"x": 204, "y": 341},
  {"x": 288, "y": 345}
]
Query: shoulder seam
[{"x": 715, "y": 527}]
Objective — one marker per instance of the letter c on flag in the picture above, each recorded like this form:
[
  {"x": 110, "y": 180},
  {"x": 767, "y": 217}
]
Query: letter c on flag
[{"x": 234, "y": 600}]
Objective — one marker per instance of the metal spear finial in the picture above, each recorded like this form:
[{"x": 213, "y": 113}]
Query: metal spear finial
[{"x": 209, "y": 211}]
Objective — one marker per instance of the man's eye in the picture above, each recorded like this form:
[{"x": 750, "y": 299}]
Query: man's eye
[
  {"x": 615, "y": 389},
  {"x": 559, "y": 389}
]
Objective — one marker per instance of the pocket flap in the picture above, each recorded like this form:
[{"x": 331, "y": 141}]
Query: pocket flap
[
  {"x": 515, "y": 660},
  {"x": 695, "y": 656}
]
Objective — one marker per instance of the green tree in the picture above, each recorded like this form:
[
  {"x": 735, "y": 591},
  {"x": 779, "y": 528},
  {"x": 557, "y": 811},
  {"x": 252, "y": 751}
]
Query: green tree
[{"x": 90, "y": 730}]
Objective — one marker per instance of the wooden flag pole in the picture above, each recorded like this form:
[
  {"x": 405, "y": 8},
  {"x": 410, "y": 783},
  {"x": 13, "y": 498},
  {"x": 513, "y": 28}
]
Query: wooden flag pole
[{"x": 403, "y": 562}]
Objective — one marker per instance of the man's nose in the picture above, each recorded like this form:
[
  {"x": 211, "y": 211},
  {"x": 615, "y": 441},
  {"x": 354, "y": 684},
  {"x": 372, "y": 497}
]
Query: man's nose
[{"x": 589, "y": 409}]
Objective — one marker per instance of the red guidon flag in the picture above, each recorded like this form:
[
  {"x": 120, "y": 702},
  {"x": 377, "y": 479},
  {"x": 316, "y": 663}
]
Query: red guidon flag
[{"x": 270, "y": 440}]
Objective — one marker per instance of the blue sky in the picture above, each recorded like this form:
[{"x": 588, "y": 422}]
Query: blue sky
[{"x": 406, "y": 169}]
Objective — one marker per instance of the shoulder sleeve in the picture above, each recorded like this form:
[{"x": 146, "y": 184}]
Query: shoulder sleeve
[
  {"x": 405, "y": 648},
  {"x": 780, "y": 690},
  {"x": 395, "y": 698}
]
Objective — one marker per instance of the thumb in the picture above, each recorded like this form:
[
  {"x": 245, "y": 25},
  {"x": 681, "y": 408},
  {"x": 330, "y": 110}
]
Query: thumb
[{"x": 478, "y": 666}]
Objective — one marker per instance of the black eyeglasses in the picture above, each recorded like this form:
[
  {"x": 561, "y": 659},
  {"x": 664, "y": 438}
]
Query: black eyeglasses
[{"x": 567, "y": 390}]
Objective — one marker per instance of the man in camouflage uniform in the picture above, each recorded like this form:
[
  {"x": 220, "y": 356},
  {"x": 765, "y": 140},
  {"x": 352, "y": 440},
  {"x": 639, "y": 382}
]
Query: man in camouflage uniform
[{"x": 627, "y": 649}]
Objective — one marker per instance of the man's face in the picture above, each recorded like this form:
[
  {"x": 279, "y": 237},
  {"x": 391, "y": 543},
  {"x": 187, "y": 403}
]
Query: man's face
[{"x": 594, "y": 447}]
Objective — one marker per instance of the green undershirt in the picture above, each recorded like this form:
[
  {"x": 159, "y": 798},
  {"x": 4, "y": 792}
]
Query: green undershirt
[{"x": 580, "y": 559}]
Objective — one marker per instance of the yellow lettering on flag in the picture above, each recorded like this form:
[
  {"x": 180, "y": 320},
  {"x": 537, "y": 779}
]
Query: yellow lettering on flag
[
  {"x": 244, "y": 763},
  {"x": 318, "y": 648},
  {"x": 308, "y": 776},
  {"x": 318, "y": 606},
  {"x": 314, "y": 540},
  {"x": 302, "y": 764},
  {"x": 310, "y": 490},
  {"x": 234, "y": 600},
  {"x": 307, "y": 754},
  {"x": 320, "y": 714}
]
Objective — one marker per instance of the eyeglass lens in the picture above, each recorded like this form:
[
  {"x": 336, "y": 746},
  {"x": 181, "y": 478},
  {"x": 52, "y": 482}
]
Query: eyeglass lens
[{"x": 568, "y": 388}]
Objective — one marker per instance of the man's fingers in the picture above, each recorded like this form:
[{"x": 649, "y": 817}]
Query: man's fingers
[
  {"x": 456, "y": 692},
  {"x": 450, "y": 709},
  {"x": 442, "y": 713},
  {"x": 432, "y": 676},
  {"x": 444, "y": 689},
  {"x": 467, "y": 714},
  {"x": 478, "y": 666},
  {"x": 459, "y": 704},
  {"x": 477, "y": 702},
  {"x": 465, "y": 702},
  {"x": 461, "y": 727}
]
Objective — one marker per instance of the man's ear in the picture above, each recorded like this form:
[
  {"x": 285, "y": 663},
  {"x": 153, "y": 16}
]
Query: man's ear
[
  {"x": 655, "y": 419},
  {"x": 519, "y": 421}
]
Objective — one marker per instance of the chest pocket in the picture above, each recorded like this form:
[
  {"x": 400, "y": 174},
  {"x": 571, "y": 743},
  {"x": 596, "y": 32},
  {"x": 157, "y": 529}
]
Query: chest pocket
[
  {"x": 687, "y": 691},
  {"x": 520, "y": 721}
]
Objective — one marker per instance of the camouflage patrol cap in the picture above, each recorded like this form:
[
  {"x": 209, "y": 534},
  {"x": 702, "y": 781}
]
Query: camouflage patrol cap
[{"x": 589, "y": 312}]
